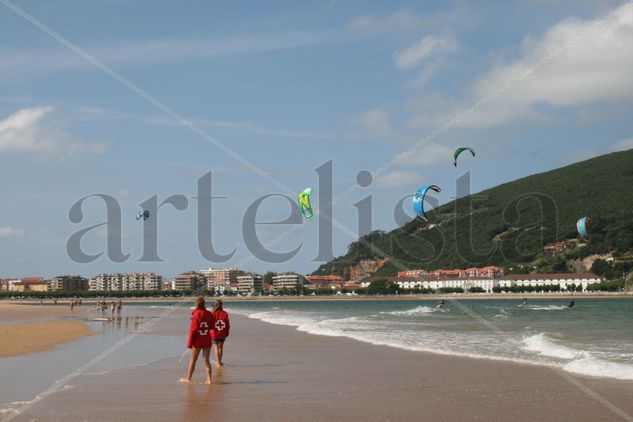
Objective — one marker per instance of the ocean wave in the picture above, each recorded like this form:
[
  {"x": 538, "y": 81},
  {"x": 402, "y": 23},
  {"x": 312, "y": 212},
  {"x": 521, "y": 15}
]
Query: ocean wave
[
  {"x": 600, "y": 368},
  {"x": 547, "y": 308},
  {"x": 275, "y": 317},
  {"x": 535, "y": 349},
  {"x": 545, "y": 346},
  {"x": 417, "y": 311}
]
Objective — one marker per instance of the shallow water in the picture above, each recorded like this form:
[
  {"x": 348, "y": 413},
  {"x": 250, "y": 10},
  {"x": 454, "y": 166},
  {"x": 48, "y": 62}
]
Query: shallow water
[
  {"x": 595, "y": 337},
  {"x": 23, "y": 377}
]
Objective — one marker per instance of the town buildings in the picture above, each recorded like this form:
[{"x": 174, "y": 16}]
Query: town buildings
[
  {"x": 250, "y": 284},
  {"x": 123, "y": 282},
  {"x": 287, "y": 281},
  {"x": 28, "y": 284},
  {"x": 67, "y": 283},
  {"x": 221, "y": 280},
  {"x": 487, "y": 284},
  {"x": 191, "y": 280}
]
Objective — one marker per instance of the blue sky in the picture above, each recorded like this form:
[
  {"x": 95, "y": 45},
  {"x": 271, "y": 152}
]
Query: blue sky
[{"x": 287, "y": 86}]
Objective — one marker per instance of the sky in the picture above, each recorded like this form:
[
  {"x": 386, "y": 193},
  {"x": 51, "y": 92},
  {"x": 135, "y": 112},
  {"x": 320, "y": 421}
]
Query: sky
[{"x": 261, "y": 94}]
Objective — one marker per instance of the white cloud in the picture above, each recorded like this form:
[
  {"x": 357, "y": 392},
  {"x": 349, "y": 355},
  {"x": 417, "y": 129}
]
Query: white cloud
[
  {"x": 597, "y": 69},
  {"x": 399, "y": 20},
  {"x": 161, "y": 50},
  {"x": 429, "y": 154},
  {"x": 11, "y": 233},
  {"x": 421, "y": 50},
  {"x": 460, "y": 14},
  {"x": 424, "y": 75},
  {"x": 397, "y": 179},
  {"x": 375, "y": 123},
  {"x": 25, "y": 132},
  {"x": 622, "y": 145}
]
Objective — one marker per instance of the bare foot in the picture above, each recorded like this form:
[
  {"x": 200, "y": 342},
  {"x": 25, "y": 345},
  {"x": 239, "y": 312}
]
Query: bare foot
[
  {"x": 184, "y": 381},
  {"x": 208, "y": 382}
]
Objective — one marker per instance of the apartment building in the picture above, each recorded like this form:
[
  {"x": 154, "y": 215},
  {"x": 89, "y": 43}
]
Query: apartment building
[{"x": 250, "y": 284}]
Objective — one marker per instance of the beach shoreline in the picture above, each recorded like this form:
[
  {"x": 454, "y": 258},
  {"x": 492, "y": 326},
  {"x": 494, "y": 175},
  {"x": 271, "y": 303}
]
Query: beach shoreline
[{"x": 278, "y": 373}]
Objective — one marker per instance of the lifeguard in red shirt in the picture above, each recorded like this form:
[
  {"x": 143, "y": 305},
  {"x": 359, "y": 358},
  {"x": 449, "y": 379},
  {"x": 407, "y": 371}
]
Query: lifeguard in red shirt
[
  {"x": 221, "y": 328},
  {"x": 202, "y": 324}
]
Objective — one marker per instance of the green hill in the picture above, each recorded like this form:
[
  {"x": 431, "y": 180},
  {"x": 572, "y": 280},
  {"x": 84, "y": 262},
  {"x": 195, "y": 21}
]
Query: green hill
[{"x": 508, "y": 225}]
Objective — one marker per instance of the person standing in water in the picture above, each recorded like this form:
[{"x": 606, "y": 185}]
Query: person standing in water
[
  {"x": 220, "y": 331},
  {"x": 119, "y": 305},
  {"x": 200, "y": 339}
]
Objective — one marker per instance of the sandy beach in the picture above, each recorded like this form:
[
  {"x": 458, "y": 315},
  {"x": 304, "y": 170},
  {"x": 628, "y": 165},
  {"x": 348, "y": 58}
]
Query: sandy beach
[
  {"x": 275, "y": 373},
  {"x": 17, "y": 311},
  {"x": 31, "y": 337},
  {"x": 43, "y": 329}
]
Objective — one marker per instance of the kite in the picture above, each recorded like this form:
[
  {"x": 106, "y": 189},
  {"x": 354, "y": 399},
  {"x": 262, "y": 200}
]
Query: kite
[
  {"x": 418, "y": 200},
  {"x": 582, "y": 225},
  {"x": 144, "y": 214},
  {"x": 304, "y": 203},
  {"x": 458, "y": 151}
]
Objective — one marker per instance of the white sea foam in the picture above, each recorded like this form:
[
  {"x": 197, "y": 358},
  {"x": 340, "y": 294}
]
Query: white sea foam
[
  {"x": 417, "y": 311},
  {"x": 600, "y": 368},
  {"x": 547, "y": 308},
  {"x": 536, "y": 349},
  {"x": 545, "y": 346}
]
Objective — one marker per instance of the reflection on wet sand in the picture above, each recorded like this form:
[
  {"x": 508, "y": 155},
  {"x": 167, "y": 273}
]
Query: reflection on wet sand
[{"x": 202, "y": 399}]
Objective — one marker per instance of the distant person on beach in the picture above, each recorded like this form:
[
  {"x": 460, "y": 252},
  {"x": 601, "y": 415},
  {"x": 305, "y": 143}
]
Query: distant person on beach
[
  {"x": 112, "y": 307},
  {"x": 200, "y": 339},
  {"x": 220, "y": 331},
  {"x": 119, "y": 305},
  {"x": 72, "y": 305},
  {"x": 571, "y": 304}
]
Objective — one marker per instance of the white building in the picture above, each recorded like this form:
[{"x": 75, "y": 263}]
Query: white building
[
  {"x": 565, "y": 281},
  {"x": 221, "y": 280},
  {"x": 250, "y": 283},
  {"x": 126, "y": 282},
  {"x": 287, "y": 281}
]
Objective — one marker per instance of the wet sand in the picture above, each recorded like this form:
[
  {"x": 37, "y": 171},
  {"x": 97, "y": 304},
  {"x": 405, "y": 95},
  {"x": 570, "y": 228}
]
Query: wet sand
[
  {"x": 12, "y": 311},
  {"x": 31, "y": 337},
  {"x": 275, "y": 373}
]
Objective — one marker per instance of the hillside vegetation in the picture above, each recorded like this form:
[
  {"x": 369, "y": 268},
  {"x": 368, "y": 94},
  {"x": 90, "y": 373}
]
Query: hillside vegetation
[{"x": 508, "y": 225}]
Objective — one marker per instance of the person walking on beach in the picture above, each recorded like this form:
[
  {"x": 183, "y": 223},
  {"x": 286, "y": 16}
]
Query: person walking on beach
[
  {"x": 119, "y": 305},
  {"x": 220, "y": 331},
  {"x": 200, "y": 339}
]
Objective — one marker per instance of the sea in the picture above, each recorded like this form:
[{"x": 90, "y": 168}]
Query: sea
[{"x": 594, "y": 337}]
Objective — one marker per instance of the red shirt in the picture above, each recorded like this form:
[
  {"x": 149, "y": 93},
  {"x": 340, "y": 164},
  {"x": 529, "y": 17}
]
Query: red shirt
[
  {"x": 200, "y": 331},
  {"x": 221, "y": 325}
]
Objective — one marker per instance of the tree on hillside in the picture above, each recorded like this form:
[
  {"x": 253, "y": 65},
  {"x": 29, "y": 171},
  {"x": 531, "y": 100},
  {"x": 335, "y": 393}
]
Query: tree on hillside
[
  {"x": 268, "y": 277},
  {"x": 382, "y": 287}
]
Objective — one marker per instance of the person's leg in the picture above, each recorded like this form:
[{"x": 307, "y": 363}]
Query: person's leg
[
  {"x": 217, "y": 352},
  {"x": 192, "y": 364},
  {"x": 220, "y": 352},
  {"x": 206, "y": 353}
]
